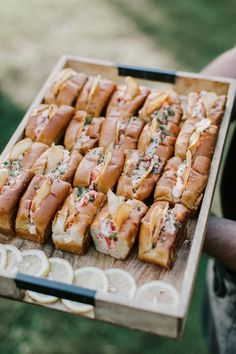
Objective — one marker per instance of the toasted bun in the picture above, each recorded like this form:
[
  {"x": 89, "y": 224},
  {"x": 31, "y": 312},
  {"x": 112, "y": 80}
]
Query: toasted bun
[
  {"x": 79, "y": 242},
  {"x": 207, "y": 142},
  {"x": 68, "y": 91},
  {"x": 94, "y": 105},
  {"x": 120, "y": 106},
  {"x": 112, "y": 172},
  {"x": 9, "y": 198},
  {"x": 171, "y": 100},
  {"x": 121, "y": 248},
  {"x": 85, "y": 169},
  {"x": 56, "y": 125},
  {"x": 44, "y": 215},
  {"x": 108, "y": 131},
  {"x": 71, "y": 89},
  {"x": 92, "y": 133},
  {"x": 125, "y": 187},
  {"x": 33, "y": 154},
  {"x": 162, "y": 253}
]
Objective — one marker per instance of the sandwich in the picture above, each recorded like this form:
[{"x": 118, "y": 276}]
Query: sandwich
[
  {"x": 70, "y": 230},
  {"x": 66, "y": 88},
  {"x": 100, "y": 169},
  {"x": 95, "y": 95},
  {"x": 183, "y": 181},
  {"x": 48, "y": 123},
  {"x": 23, "y": 155},
  {"x": 13, "y": 183},
  {"x": 165, "y": 106},
  {"x": 57, "y": 163},
  {"x": 127, "y": 99},
  {"x": 160, "y": 233},
  {"x": 115, "y": 228},
  {"x": 122, "y": 132},
  {"x": 198, "y": 136},
  {"x": 139, "y": 175},
  {"x": 38, "y": 207},
  {"x": 204, "y": 104},
  {"x": 158, "y": 139},
  {"x": 82, "y": 133}
]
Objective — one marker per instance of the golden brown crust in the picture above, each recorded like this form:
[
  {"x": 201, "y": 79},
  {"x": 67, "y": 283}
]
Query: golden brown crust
[
  {"x": 68, "y": 91},
  {"x": 126, "y": 107},
  {"x": 169, "y": 133},
  {"x": 126, "y": 234},
  {"x": 84, "y": 173},
  {"x": 94, "y": 104},
  {"x": 206, "y": 143},
  {"x": 189, "y": 194},
  {"x": 63, "y": 170},
  {"x": 83, "y": 213},
  {"x": 203, "y": 104},
  {"x": 82, "y": 137},
  {"x": 9, "y": 198},
  {"x": 161, "y": 251},
  {"x": 43, "y": 216},
  {"x": 170, "y": 110},
  {"x": 37, "y": 149},
  {"x": 53, "y": 129},
  {"x": 124, "y": 133},
  {"x": 127, "y": 185},
  {"x": 197, "y": 181}
]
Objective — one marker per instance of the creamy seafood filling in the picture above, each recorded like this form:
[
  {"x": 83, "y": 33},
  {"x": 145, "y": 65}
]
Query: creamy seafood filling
[
  {"x": 98, "y": 168},
  {"x": 179, "y": 186},
  {"x": 62, "y": 167},
  {"x": 13, "y": 167},
  {"x": 162, "y": 114}
]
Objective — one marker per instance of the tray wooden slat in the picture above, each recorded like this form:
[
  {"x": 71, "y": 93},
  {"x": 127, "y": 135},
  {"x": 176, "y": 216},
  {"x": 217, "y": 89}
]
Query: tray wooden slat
[{"x": 110, "y": 307}]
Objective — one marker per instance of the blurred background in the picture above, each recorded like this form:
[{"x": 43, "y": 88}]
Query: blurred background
[{"x": 183, "y": 35}]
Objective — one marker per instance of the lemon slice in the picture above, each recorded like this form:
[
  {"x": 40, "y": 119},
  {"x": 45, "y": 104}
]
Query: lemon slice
[
  {"x": 35, "y": 263},
  {"x": 60, "y": 270},
  {"x": 90, "y": 278},
  {"x": 121, "y": 282},
  {"x": 3, "y": 257},
  {"x": 158, "y": 292},
  {"x": 14, "y": 258}
]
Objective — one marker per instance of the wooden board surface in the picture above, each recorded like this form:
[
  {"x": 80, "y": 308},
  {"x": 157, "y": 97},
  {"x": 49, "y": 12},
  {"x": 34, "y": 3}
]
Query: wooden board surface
[{"x": 112, "y": 308}]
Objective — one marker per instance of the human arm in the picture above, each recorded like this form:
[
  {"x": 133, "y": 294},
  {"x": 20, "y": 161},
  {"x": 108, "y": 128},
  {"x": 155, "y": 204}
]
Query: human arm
[
  {"x": 220, "y": 241},
  {"x": 223, "y": 65}
]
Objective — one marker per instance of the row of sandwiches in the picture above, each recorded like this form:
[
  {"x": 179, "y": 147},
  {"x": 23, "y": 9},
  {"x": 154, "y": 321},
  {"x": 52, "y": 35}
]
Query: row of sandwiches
[{"x": 124, "y": 138}]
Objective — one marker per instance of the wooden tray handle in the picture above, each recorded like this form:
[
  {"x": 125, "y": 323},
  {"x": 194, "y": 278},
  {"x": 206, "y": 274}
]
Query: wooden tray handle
[
  {"x": 153, "y": 74},
  {"x": 54, "y": 288}
]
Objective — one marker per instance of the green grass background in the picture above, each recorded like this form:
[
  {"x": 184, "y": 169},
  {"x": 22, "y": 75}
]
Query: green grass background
[{"x": 186, "y": 34}]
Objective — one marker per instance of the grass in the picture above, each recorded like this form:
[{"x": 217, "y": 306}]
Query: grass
[{"x": 186, "y": 35}]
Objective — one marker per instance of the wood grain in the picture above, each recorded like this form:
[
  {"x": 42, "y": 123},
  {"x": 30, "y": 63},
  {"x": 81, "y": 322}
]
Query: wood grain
[{"x": 114, "y": 309}]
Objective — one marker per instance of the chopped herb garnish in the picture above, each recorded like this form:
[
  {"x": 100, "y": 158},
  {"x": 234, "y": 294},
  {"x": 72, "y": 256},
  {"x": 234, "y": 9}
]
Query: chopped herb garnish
[
  {"x": 171, "y": 111},
  {"x": 81, "y": 191},
  {"x": 87, "y": 121},
  {"x": 113, "y": 236},
  {"x": 91, "y": 198}
]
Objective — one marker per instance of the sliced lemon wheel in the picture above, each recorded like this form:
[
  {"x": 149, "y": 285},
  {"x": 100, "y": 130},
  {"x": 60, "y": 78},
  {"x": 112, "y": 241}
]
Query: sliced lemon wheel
[
  {"x": 3, "y": 257},
  {"x": 91, "y": 278},
  {"x": 60, "y": 270},
  {"x": 35, "y": 263},
  {"x": 121, "y": 282},
  {"x": 158, "y": 292},
  {"x": 14, "y": 258}
]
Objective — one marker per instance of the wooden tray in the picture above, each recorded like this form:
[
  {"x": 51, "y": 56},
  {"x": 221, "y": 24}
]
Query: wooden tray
[{"x": 109, "y": 307}]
